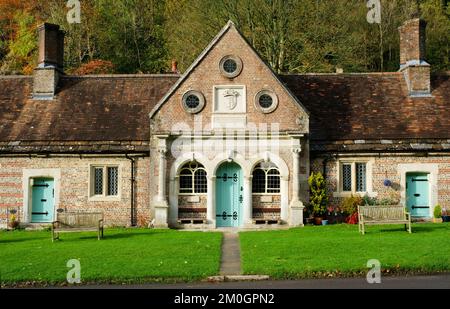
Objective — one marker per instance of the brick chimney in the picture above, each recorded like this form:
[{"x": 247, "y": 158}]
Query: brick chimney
[
  {"x": 50, "y": 62},
  {"x": 412, "y": 57}
]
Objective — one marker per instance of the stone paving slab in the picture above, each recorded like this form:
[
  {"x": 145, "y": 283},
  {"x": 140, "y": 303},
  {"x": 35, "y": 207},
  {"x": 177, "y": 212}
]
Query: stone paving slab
[{"x": 230, "y": 263}]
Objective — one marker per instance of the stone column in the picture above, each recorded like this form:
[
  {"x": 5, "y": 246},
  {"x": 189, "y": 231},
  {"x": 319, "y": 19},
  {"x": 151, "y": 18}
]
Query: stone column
[
  {"x": 173, "y": 201},
  {"x": 248, "y": 202},
  {"x": 161, "y": 205},
  {"x": 284, "y": 203},
  {"x": 211, "y": 201},
  {"x": 296, "y": 211}
]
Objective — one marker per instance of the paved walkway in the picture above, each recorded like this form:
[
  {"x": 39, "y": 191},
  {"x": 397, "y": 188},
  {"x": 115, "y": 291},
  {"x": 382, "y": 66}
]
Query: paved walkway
[{"x": 230, "y": 262}]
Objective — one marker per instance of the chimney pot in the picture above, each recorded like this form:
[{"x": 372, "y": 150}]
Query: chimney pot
[{"x": 175, "y": 67}]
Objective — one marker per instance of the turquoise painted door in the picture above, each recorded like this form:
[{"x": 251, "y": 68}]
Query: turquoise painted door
[
  {"x": 229, "y": 195},
  {"x": 43, "y": 199},
  {"x": 417, "y": 199}
]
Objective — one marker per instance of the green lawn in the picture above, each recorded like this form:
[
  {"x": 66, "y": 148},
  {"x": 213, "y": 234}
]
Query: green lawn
[
  {"x": 133, "y": 255},
  {"x": 339, "y": 250}
]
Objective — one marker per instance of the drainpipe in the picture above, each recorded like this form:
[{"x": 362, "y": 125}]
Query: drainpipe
[{"x": 133, "y": 180}]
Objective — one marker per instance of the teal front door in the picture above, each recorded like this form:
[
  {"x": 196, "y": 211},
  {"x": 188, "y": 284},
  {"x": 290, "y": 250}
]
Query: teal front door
[
  {"x": 43, "y": 199},
  {"x": 229, "y": 195},
  {"x": 417, "y": 194}
]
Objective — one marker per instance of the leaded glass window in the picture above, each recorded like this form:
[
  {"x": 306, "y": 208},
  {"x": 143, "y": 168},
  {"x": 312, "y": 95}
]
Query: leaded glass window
[
  {"x": 105, "y": 181},
  {"x": 98, "y": 181},
  {"x": 346, "y": 177},
  {"x": 360, "y": 177},
  {"x": 193, "y": 179},
  {"x": 113, "y": 180},
  {"x": 266, "y": 179}
]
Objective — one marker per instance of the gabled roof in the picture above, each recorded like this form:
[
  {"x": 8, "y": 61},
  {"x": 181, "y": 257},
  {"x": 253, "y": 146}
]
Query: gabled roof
[
  {"x": 372, "y": 106},
  {"x": 205, "y": 52}
]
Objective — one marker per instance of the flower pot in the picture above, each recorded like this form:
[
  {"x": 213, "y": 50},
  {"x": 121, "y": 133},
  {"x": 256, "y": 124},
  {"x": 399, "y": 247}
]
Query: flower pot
[
  {"x": 318, "y": 221},
  {"x": 324, "y": 222},
  {"x": 445, "y": 218},
  {"x": 13, "y": 225},
  {"x": 309, "y": 220},
  {"x": 437, "y": 220}
]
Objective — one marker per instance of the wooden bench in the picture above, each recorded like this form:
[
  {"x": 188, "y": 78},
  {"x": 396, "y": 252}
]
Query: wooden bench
[
  {"x": 375, "y": 215},
  {"x": 67, "y": 222}
]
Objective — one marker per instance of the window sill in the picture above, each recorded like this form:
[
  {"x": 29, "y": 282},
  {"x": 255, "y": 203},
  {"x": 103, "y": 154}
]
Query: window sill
[
  {"x": 193, "y": 194},
  {"x": 104, "y": 199},
  {"x": 349, "y": 194}
]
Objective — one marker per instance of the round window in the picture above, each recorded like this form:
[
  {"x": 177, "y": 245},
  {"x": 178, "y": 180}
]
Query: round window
[
  {"x": 266, "y": 101},
  {"x": 193, "y": 102},
  {"x": 230, "y": 66}
]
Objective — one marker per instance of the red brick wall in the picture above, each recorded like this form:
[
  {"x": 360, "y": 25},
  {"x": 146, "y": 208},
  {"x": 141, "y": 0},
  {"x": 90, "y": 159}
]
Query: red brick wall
[{"x": 74, "y": 187}]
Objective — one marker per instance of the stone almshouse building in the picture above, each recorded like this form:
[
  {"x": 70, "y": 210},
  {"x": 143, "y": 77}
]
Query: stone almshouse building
[{"x": 228, "y": 143}]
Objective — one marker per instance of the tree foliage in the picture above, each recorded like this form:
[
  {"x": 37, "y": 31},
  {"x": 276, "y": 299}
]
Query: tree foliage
[{"x": 293, "y": 36}]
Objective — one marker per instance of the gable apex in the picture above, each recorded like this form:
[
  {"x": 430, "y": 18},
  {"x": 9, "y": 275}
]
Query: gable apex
[{"x": 229, "y": 25}]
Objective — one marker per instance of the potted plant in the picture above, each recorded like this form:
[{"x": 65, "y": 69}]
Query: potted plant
[
  {"x": 437, "y": 214},
  {"x": 318, "y": 198},
  {"x": 445, "y": 215},
  {"x": 349, "y": 206},
  {"x": 13, "y": 222}
]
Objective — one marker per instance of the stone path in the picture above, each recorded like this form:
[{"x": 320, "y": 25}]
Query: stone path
[{"x": 230, "y": 263}]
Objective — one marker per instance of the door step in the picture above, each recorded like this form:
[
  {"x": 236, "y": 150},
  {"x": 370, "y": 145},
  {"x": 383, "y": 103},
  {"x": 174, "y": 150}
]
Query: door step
[{"x": 35, "y": 226}]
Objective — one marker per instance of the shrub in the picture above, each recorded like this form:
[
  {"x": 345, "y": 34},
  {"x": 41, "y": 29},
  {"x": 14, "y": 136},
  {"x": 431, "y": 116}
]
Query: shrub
[
  {"x": 437, "y": 211},
  {"x": 349, "y": 205},
  {"x": 318, "y": 198}
]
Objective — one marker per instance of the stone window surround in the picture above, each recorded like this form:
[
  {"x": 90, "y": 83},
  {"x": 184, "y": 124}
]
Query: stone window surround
[
  {"x": 369, "y": 179},
  {"x": 432, "y": 169},
  {"x": 201, "y": 104},
  {"x": 270, "y": 93},
  {"x": 239, "y": 66},
  {"x": 104, "y": 197},
  {"x": 28, "y": 174}
]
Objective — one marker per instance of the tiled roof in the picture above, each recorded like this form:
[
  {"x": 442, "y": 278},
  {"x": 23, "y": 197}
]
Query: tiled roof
[
  {"x": 362, "y": 112},
  {"x": 371, "y": 106},
  {"x": 94, "y": 108}
]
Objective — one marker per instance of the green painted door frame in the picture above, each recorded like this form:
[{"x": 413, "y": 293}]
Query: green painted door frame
[
  {"x": 42, "y": 200},
  {"x": 417, "y": 194},
  {"x": 229, "y": 195}
]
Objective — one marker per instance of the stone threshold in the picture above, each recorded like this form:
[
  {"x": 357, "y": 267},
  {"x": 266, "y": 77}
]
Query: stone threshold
[{"x": 236, "y": 278}]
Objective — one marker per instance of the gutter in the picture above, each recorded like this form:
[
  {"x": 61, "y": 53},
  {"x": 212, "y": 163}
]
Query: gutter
[{"x": 133, "y": 180}]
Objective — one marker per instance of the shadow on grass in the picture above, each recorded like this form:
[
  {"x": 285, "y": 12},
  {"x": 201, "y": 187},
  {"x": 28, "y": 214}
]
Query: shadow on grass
[
  {"x": 415, "y": 229},
  {"x": 9, "y": 241}
]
